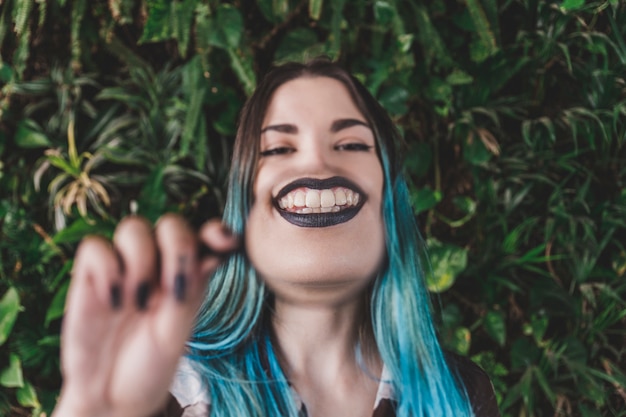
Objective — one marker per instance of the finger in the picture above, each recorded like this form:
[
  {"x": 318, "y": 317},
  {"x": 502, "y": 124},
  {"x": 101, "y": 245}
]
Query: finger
[
  {"x": 134, "y": 241},
  {"x": 220, "y": 242},
  {"x": 92, "y": 305},
  {"x": 182, "y": 284}
]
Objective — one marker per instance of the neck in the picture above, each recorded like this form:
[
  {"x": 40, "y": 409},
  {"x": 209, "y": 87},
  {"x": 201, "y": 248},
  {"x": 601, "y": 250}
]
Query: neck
[{"x": 319, "y": 341}]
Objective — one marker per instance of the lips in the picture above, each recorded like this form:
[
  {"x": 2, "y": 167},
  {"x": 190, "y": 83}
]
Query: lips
[{"x": 312, "y": 202}]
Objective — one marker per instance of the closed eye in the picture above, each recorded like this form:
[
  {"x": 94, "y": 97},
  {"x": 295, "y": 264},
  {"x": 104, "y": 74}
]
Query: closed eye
[
  {"x": 353, "y": 147},
  {"x": 281, "y": 150}
]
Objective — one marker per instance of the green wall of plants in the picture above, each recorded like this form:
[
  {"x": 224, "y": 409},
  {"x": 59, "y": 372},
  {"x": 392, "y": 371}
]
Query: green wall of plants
[{"x": 513, "y": 114}]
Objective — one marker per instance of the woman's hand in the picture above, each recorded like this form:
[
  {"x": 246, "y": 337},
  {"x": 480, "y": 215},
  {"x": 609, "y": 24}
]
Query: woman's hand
[{"x": 129, "y": 310}]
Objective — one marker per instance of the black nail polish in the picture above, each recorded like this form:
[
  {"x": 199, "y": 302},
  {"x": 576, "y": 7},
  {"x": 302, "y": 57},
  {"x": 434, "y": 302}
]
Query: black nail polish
[
  {"x": 143, "y": 292},
  {"x": 116, "y": 297},
  {"x": 204, "y": 251},
  {"x": 180, "y": 286}
]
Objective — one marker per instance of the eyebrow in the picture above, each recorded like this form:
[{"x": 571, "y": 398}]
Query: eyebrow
[
  {"x": 346, "y": 123},
  {"x": 335, "y": 127},
  {"x": 282, "y": 128}
]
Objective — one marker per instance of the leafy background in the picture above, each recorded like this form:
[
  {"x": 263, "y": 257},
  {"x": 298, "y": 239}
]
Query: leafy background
[{"x": 514, "y": 121}]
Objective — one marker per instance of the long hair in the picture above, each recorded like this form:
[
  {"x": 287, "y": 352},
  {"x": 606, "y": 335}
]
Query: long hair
[{"x": 231, "y": 343}]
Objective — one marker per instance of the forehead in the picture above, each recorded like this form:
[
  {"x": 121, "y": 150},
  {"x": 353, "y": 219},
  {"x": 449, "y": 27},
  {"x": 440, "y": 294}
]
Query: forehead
[{"x": 311, "y": 98}]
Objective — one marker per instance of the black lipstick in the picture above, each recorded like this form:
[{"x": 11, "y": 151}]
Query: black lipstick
[{"x": 320, "y": 219}]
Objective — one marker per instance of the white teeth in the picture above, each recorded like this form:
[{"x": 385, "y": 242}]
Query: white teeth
[
  {"x": 286, "y": 202},
  {"x": 327, "y": 198},
  {"x": 306, "y": 201},
  {"x": 340, "y": 198},
  {"x": 299, "y": 200},
  {"x": 312, "y": 199}
]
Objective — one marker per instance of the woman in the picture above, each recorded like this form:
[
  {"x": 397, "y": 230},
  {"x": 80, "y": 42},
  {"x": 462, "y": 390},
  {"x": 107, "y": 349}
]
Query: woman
[{"x": 319, "y": 310}]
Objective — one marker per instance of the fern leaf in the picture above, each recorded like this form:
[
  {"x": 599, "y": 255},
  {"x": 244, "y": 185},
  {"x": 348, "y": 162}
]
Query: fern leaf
[
  {"x": 337, "y": 18},
  {"x": 491, "y": 12},
  {"x": 121, "y": 10},
  {"x": 182, "y": 22},
  {"x": 242, "y": 66},
  {"x": 195, "y": 87},
  {"x": 126, "y": 9},
  {"x": 78, "y": 12},
  {"x": 21, "y": 53},
  {"x": 43, "y": 9},
  {"x": 430, "y": 40},
  {"x": 158, "y": 27},
  {"x": 487, "y": 42},
  {"x": 21, "y": 12},
  {"x": 5, "y": 23}
]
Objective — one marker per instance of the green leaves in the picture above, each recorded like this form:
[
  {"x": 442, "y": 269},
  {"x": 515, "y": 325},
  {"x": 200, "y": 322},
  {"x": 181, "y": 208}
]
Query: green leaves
[
  {"x": 495, "y": 326},
  {"x": 27, "y": 396},
  {"x": 424, "y": 199},
  {"x": 152, "y": 200},
  {"x": 158, "y": 26},
  {"x": 384, "y": 12},
  {"x": 315, "y": 9},
  {"x": 447, "y": 262},
  {"x": 485, "y": 44},
  {"x": 572, "y": 4},
  {"x": 513, "y": 121},
  {"x": 11, "y": 376},
  {"x": 225, "y": 27},
  {"x": 298, "y": 45},
  {"x": 29, "y": 135},
  {"x": 9, "y": 309},
  {"x": 243, "y": 69},
  {"x": 394, "y": 99}
]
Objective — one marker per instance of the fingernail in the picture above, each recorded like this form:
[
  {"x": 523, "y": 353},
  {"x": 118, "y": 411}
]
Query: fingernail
[
  {"x": 116, "y": 297},
  {"x": 204, "y": 250},
  {"x": 143, "y": 292},
  {"x": 180, "y": 286}
]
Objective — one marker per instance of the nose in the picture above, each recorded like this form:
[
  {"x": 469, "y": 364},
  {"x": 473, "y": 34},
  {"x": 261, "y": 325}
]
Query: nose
[{"x": 315, "y": 156}]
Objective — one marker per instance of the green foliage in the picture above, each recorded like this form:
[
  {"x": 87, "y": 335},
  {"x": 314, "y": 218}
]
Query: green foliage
[
  {"x": 514, "y": 119},
  {"x": 447, "y": 262},
  {"x": 9, "y": 309}
]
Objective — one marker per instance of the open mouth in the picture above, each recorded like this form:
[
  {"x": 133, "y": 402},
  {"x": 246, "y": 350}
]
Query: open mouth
[{"x": 311, "y": 202}]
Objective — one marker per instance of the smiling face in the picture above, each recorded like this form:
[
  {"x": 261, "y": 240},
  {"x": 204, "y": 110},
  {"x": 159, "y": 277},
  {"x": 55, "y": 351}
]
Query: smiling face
[{"x": 315, "y": 230}]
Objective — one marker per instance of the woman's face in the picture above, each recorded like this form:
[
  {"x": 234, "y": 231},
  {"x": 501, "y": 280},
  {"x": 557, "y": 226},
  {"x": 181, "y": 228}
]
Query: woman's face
[{"x": 315, "y": 231}]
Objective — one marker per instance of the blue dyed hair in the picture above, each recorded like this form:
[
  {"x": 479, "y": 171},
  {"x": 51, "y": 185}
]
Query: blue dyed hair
[{"x": 232, "y": 344}]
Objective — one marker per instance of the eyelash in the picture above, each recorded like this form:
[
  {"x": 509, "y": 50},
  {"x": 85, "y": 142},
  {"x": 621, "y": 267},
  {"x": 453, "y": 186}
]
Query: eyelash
[
  {"x": 282, "y": 150},
  {"x": 353, "y": 147}
]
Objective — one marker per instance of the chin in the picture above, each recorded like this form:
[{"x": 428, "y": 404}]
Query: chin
[
  {"x": 316, "y": 293},
  {"x": 325, "y": 274}
]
